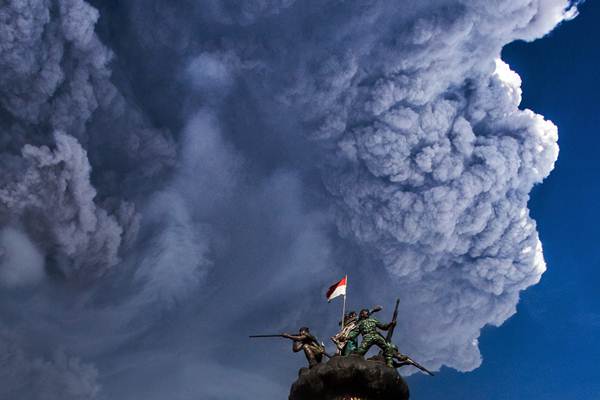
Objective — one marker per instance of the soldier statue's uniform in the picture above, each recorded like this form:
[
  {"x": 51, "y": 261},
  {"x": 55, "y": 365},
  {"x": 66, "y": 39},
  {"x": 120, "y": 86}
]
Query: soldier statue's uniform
[{"x": 367, "y": 327}]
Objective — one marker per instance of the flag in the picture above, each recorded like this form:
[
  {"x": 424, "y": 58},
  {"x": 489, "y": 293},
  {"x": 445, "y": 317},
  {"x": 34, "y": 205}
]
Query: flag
[{"x": 337, "y": 289}]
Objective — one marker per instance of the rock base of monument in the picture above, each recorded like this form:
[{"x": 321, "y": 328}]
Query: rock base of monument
[{"x": 349, "y": 378}]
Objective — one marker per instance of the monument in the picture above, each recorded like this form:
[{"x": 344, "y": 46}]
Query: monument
[{"x": 347, "y": 375}]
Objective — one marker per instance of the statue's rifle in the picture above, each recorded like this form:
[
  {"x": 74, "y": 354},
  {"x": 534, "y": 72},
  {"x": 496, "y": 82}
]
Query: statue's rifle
[
  {"x": 322, "y": 345},
  {"x": 264, "y": 336},
  {"x": 390, "y": 332},
  {"x": 406, "y": 360}
]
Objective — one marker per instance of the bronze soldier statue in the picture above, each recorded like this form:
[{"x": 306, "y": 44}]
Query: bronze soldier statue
[{"x": 304, "y": 340}]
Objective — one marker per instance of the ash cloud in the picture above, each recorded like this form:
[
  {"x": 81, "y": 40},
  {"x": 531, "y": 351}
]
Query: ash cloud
[
  {"x": 169, "y": 167},
  {"x": 22, "y": 264},
  {"x": 58, "y": 377}
]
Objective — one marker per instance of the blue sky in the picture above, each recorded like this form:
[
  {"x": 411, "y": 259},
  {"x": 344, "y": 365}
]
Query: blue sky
[{"x": 549, "y": 349}]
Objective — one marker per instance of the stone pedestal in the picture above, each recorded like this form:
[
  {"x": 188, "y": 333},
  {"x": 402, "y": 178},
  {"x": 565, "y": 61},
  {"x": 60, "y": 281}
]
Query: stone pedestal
[{"x": 349, "y": 378}]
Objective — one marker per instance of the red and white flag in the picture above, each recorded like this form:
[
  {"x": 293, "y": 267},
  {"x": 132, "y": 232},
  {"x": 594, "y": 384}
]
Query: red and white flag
[{"x": 337, "y": 289}]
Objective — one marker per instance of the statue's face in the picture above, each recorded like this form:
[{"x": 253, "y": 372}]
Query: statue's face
[
  {"x": 364, "y": 314},
  {"x": 352, "y": 315},
  {"x": 303, "y": 331}
]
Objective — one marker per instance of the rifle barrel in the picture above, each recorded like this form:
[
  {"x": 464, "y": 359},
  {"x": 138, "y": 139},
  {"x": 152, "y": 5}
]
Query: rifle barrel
[
  {"x": 416, "y": 364},
  {"x": 390, "y": 331},
  {"x": 263, "y": 336}
]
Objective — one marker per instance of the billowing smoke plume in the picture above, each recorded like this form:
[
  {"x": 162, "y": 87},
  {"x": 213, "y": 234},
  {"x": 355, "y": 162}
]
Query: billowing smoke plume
[{"x": 170, "y": 167}]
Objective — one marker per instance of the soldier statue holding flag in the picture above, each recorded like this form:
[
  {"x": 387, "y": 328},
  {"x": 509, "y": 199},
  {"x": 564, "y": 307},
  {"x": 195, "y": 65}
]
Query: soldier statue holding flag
[
  {"x": 344, "y": 340},
  {"x": 347, "y": 339},
  {"x": 345, "y": 345}
]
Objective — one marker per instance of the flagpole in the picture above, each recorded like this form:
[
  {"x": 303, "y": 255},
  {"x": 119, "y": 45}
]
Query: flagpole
[{"x": 344, "y": 306}]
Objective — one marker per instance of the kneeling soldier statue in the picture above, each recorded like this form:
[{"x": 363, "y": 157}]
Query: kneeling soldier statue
[
  {"x": 313, "y": 350},
  {"x": 304, "y": 340}
]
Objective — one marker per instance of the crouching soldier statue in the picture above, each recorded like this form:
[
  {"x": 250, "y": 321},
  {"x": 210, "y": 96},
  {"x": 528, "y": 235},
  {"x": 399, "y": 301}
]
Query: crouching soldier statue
[{"x": 304, "y": 340}]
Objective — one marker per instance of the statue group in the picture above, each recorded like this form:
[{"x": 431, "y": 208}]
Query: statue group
[{"x": 354, "y": 326}]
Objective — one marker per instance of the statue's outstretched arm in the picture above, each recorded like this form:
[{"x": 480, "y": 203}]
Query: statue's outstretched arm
[{"x": 293, "y": 337}]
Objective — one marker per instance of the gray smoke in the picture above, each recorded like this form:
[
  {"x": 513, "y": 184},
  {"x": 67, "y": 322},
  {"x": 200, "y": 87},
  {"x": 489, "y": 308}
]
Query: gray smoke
[
  {"x": 180, "y": 174},
  {"x": 21, "y": 262},
  {"x": 83, "y": 236},
  {"x": 59, "y": 377}
]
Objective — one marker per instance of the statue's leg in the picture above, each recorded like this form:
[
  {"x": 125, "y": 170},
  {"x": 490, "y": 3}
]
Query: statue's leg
[
  {"x": 365, "y": 345},
  {"x": 318, "y": 353},
  {"x": 388, "y": 353},
  {"x": 349, "y": 348},
  {"x": 388, "y": 350}
]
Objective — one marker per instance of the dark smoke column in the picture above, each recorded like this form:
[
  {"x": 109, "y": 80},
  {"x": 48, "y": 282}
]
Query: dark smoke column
[{"x": 349, "y": 378}]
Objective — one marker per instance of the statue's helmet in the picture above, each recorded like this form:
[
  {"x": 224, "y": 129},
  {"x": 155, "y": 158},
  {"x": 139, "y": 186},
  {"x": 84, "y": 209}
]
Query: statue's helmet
[{"x": 304, "y": 329}]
